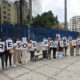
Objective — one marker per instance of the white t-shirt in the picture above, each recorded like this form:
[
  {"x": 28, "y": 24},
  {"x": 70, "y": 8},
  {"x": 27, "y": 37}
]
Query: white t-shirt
[{"x": 43, "y": 46}]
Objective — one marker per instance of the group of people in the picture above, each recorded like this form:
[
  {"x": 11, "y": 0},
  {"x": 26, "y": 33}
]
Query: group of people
[{"x": 18, "y": 49}]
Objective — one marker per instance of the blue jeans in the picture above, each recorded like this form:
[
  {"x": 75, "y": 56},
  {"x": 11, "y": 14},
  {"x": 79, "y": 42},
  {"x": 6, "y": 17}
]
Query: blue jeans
[{"x": 2, "y": 60}]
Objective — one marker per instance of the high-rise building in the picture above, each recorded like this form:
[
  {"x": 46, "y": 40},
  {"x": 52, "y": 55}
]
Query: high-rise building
[
  {"x": 36, "y": 7},
  {"x": 10, "y": 11},
  {"x": 7, "y": 12},
  {"x": 75, "y": 23},
  {"x": 25, "y": 10}
]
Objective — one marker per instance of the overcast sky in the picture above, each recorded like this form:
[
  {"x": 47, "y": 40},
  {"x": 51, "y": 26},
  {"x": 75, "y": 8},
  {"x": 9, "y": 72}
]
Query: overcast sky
[{"x": 57, "y": 7}]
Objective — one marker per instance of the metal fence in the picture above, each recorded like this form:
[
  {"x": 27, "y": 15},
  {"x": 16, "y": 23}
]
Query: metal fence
[{"x": 34, "y": 33}]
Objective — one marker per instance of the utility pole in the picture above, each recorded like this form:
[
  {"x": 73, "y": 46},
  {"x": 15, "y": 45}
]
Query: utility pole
[
  {"x": 21, "y": 3},
  {"x": 30, "y": 10},
  {"x": 65, "y": 15}
]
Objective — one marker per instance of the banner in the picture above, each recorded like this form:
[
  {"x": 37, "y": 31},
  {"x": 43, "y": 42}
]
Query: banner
[
  {"x": 19, "y": 45},
  {"x": 45, "y": 42},
  {"x": 74, "y": 42},
  {"x": 51, "y": 44},
  {"x": 9, "y": 44},
  {"x": 34, "y": 45},
  {"x": 2, "y": 46}
]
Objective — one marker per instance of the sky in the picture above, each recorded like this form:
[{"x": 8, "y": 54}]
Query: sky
[{"x": 57, "y": 7}]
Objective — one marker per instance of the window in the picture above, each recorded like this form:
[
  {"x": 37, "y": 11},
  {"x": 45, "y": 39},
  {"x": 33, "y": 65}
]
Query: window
[
  {"x": 4, "y": 7},
  {"x": 4, "y": 12},
  {"x": 4, "y": 17},
  {"x": 9, "y": 5},
  {"x": 8, "y": 14}
]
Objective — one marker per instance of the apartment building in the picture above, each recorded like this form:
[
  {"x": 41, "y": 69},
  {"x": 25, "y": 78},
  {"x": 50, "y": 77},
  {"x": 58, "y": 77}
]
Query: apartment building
[{"x": 75, "y": 23}]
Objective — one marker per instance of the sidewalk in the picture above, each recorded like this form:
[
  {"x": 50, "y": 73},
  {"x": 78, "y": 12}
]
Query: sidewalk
[{"x": 67, "y": 68}]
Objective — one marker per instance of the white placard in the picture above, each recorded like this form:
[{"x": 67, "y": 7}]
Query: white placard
[
  {"x": 24, "y": 39},
  {"x": 9, "y": 44},
  {"x": 34, "y": 44},
  {"x": 58, "y": 36},
  {"x": 2, "y": 46},
  {"x": 74, "y": 42},
  {"x": 61, "y": 44},
  {"x": 45, "y": 42},
  {"x": 64, "y": 38},
  {"x": 51, "y": 44},
  {"x": 24, "y": 45},
  {"x": 78, "y": 41},
  {"x": 67, "y": 42},
  {"x": 18, "y": 47},
  {"x": 55, "y": 44}
]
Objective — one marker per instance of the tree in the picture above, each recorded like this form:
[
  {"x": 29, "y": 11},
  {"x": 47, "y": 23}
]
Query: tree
[{"x": 47, "y": 19}]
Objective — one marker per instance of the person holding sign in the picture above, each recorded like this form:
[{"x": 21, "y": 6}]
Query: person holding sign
[
  {"x": 60, "y": 49},
  {"x": 17, "y": 52},
  {"x": 31, "y": 46},
  {"x": 66, "y": 44},
  {"x": 49, "y": 48},
  {"x": 55, "y": 48},
  {"x": 24, "y": 51},
  {"x": 8, "y": 55},
  {"x": 44, "y": 50},
  {"x": 2, "y": 47},
  {"x": 77, "y": 46},
  {"x": 72, "y": 45}
]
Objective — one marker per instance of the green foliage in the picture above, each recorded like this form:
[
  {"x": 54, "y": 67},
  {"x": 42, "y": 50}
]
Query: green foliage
[{"x": 47, "y": 19}]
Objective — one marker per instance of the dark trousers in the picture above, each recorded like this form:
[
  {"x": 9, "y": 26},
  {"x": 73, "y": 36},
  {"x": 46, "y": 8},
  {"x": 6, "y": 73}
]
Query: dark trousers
[
  {"x": 31, "y": 55},
  {"x": 2, "y": 60},
  {"x": 8, "y": 56},
  {"x": 54, "y": 52},
  {"x": 65, "y": 51},
  {"x": 44, "y": 54},
  {"x": 49, "y": 53}
]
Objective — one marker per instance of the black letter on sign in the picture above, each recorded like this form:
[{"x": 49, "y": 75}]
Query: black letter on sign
[
  {"x": 1, "y": 46},
  {"x": 25, "y": 45},
  {"x": 9, "y": 44},
  {"x": 19, "y": 45},
  {"x": 34, "y": 45},
  {"x": 46, "y": 42},
  {"x": 51, "y": 43}
]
